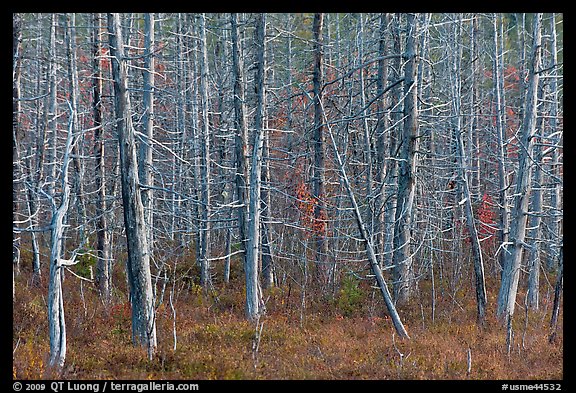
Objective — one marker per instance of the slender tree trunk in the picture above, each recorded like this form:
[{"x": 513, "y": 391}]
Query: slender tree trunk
[
  {"x": 501, "y": 151},
  {"x": 465, "y": 194},
  {"x": 473, "y": 148},
  {"x": 138, "y": 263},
  {"x": 145, "y": 162},
  {"x": 558, "y": 290},
  {"x": 406, "y": 168},
  {"x": 395, "y": 119},
  {"x": 535, "y": 219},
  {"x": 318, "y": 181},
  {"x": 241, "y": 138},
  {"x": 382, "y": 166},
  {"x": 368, "y": 155},
  {"x": 511, "y": 273},
  {"x": 555, "y": 200},
  {"x": 52, "y": 105},
  {"x": 267, "y": 257},
  {"x": 36, "y": 170},
  {"x": 103, "y": 247},
  {"x": 205, "y": 227},
  {"x": 254, "y": 305},
  {"x": 16, "y": 173},
  {"x": 74, "y": 99},
  {"x": 56, "y": 320},
  {"x": 367, "y": 239}
]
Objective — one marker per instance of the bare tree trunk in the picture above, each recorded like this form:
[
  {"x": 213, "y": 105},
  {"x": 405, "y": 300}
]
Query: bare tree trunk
[
  {"x": 103, "y": 248},
  {"x": 557, "y": 291},
  {"x": 56, "y": 320},
  {"x": 501, "y": 151},
  {"x": 535, "y": 219},
  {"x": 36, "y": 170},
  {"x": 382, "y": 166},
  {"x": 511, "y": 273},
  {"x": 205, "y": 227},
  {"x": 406, "y": 177},
  {"x": 241, "y": 138},
  {"x": 465, "y": 194},
  {"x": 145, "y": 163},
  {"x": 74, "y": 99},
  {"x": 267, "y": 257},
  {"x": 395, "y": 120},
  {"x": 52, "y": 105},
  {"x": 138, "y": 263},
  {"x": 318, "y": 181},
  {"x": 368, "y": 160},
  {"x": 555, "y": 200},
  {"x": 473, "y": 148},
  {"x": 254, "y": 305},
  {"x": 16, "y": 173},
  {"x": 367, "y": 238}
]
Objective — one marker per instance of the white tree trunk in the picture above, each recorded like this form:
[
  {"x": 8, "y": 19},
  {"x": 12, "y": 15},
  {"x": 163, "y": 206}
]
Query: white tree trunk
[
  {"x": 406, "y": 168},
  {"x": 138, "y": 263},
  {"x": 254, "y": 305},
  {"x": 56, "y": 321},
  {"x": 145, "y": 163},
  {"x": 511, "y": 273},
  {"x": 501, "y": 136},
  {"x": 369, "y": 248},
  {"x": 204, "y": 227}
]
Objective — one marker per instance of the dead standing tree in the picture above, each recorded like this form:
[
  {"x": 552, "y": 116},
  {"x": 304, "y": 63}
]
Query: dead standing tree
[
  {"x": 319, "y": 177},
  {"x": 254, "y": 304},
  {"x": 406, "y": 167},
  {"x": 138, "y": 263},
  {"x": 519, "y": 214}
]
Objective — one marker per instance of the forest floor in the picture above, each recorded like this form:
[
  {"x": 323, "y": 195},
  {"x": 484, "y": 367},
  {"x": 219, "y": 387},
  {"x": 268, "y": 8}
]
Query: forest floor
[{"x": 346, "y": 336}]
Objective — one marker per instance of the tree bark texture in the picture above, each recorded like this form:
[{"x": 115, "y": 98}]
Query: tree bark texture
[{"x": 138, "y": 263}]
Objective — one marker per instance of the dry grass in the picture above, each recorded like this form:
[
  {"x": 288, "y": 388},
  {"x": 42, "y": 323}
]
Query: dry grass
[{"x": 330, "y": 342}]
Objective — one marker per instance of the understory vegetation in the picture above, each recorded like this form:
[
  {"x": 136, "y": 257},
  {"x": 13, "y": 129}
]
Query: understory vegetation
[{"x": 343, "y": 335}]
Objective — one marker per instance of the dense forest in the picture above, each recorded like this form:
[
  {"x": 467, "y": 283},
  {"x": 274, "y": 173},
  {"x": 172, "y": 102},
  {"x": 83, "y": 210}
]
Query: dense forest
[{"x": 287, "y": 196}]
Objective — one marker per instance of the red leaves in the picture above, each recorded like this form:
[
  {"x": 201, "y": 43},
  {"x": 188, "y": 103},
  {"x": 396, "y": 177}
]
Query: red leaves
[
  {"x": 487, "y": 217},
  {"x": 121, "y": 312},
  {"x": 307, "y": 205}
]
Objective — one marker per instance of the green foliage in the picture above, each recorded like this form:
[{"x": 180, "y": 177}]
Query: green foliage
[
  {"x": 350, "y": 296},
  {"x": 87, "y": 262}
]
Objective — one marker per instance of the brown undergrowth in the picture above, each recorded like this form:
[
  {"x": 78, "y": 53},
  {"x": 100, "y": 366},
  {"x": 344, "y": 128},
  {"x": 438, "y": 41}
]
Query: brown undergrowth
[{"x": 345, "y": 336}]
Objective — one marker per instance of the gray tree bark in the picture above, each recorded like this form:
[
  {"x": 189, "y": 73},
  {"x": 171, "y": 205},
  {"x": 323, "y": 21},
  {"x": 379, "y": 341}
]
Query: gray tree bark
[
  {"x": 145, "y": 162},
  {"x": 267, "y": 257},
  {"x": 535, "y": 219},
  {"x": 138, "y": 263},
  {"x": 204, "y": 227},
  {"x": 558, "y": 290},
  {"x": 241, "y": 137},
  {"x": 103, "y": 247},
  {"x": 254, "y": 304},
  {"x": 367, "y": 239},
  {"x": 501, "y": 151},
  {"x": 382, "y": 166},
  {"x": 406, "y": 167},
  {"x": 395, "y": 120},
  {"x": 465, "y": 194},
  {"x": 319, "y": 177},
  {"x": 16, "y": 53},
  {"x": 511, "y": 273},
  {"x": 56, "y": 320},
  {"x": 556, "y": 199},
  {"x": 74, "y": 100}
]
